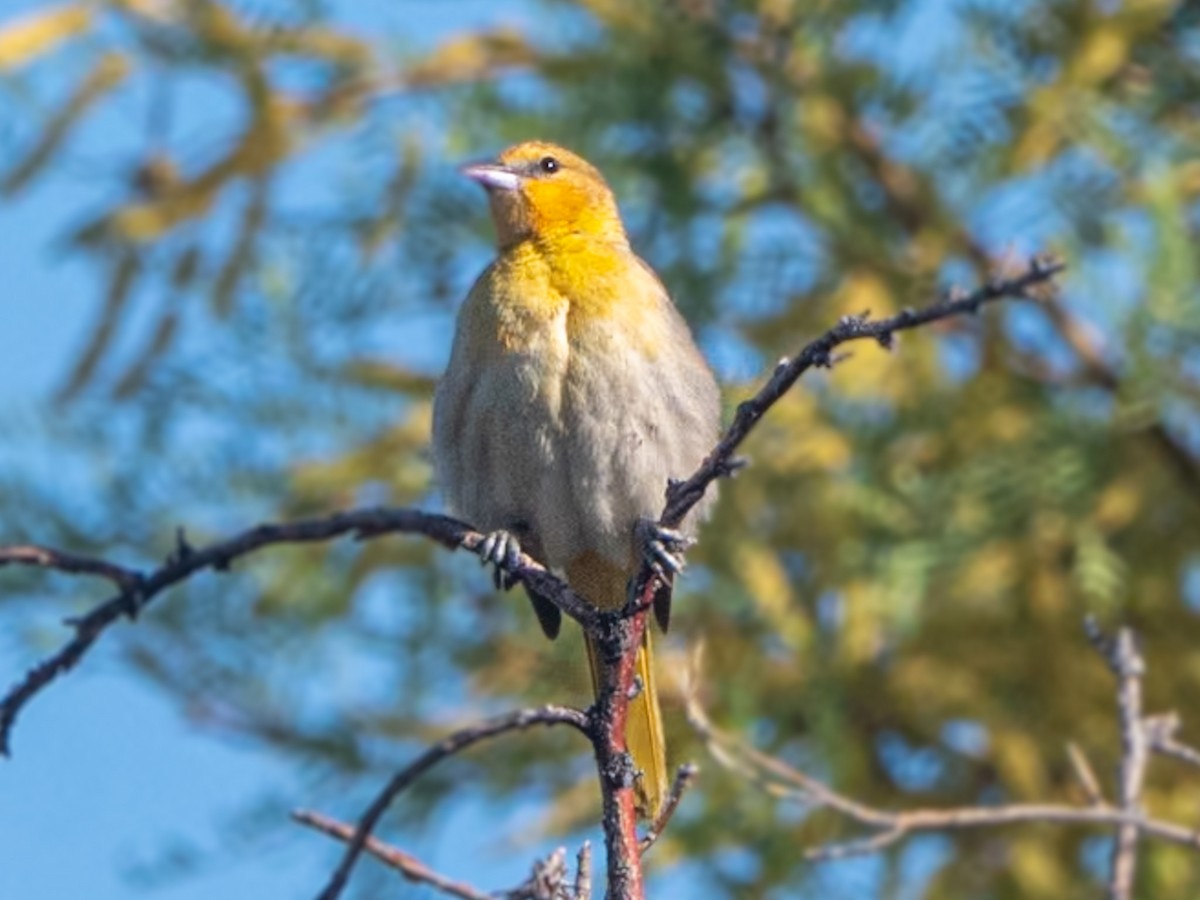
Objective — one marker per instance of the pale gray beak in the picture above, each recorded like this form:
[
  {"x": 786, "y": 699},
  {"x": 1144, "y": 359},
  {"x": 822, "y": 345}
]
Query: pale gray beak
[{"x": 492, "y": 176}]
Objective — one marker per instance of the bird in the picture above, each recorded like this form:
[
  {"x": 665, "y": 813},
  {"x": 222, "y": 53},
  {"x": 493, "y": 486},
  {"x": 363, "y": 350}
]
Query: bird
[{"x": 574, "y": 393}]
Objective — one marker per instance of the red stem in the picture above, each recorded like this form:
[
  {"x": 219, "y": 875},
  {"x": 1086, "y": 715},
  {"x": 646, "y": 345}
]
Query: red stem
[{"x": 620, "y": 644}]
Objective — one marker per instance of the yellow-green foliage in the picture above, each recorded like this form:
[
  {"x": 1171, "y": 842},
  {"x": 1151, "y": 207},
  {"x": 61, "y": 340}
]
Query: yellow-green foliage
[{"x": 920, "y": 532}]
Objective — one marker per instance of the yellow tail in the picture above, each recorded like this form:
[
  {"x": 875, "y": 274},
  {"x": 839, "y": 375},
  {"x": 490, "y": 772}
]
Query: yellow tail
[{"x": 604, "y": 585}]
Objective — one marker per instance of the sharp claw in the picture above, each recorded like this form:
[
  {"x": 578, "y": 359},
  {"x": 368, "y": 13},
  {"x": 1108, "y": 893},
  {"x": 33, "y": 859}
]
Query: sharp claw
[
  {"x": 663, "y": 548},
  {"x": 671, "y": 536},
  {"x": 486, "y": 548},
  {"x": 512, "y": 558},
  {"x": 502, "y": 550},
  {"x": 673, "y": 563}
]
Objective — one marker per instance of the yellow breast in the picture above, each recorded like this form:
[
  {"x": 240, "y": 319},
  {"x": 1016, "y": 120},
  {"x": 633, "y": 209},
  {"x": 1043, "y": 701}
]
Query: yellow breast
[{"x": 600, "y": 288}]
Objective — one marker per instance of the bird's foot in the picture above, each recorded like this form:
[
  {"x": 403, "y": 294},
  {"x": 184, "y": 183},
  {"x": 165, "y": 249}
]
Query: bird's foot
[
  {"x": 662, "y": 548},
  {"x": 502, "y": 550}
]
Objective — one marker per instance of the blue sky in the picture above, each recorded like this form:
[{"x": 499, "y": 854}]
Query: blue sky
[{"x": 107, "y": 773}]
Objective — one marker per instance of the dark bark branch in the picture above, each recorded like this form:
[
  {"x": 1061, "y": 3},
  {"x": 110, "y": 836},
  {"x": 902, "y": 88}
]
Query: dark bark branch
[
  {"x": 683, "y": 495},
  {"x": 454, "y": 743},
  {"x": 48, "y": 558},
  {"x": 138, "y": 589}
]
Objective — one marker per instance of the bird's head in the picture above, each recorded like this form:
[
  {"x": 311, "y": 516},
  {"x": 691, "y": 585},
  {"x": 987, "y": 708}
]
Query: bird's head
[{"x": 541, "y": 190}]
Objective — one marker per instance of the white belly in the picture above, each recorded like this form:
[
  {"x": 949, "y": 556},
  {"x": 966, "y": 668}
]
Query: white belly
[{"x": 574, "y": 443}]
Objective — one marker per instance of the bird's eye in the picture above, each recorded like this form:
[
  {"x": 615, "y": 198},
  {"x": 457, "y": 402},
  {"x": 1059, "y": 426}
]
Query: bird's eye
[{"x": 548, "y": 164}]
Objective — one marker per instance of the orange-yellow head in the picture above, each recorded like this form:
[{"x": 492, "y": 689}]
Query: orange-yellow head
[{"x": 542, "y": 191}]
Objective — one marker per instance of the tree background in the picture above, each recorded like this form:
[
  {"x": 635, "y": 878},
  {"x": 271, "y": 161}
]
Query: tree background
[{"x": 254, "y": 208}]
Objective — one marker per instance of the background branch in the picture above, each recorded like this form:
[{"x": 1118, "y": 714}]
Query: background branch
[
  {"x": 1160, "y": 734},
  {"x": 890, "y": 827},
  {"x": 1125, "y": 661},
  {"x": 548, "y": 881},
  {"x": 684, "y": 776},
  {"x": 448, "y": 746},
  {"x": 408, "y": 866}
]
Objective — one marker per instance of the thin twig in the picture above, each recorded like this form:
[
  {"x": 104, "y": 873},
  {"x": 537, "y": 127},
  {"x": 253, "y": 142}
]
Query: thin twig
[
  {"x": 548, "y": 881},
  {"x": 49, "y": 558},
  {"x": 448, "y": 746},
  {"x": 905, "y": 824},
  {"x": 1085, "y": 774},
  {"x": 1160, "y": 735},
  {"x": 684, "y": 776},
  {"x": 683, "y": 495},
  {"x": 738, "y": 756},
  {"x": 583, "y": 872},
  {"x": 408, "y": 866},
  {"x": 138, "y": 589},
  {"x": 1125, "y": 660},
  {"x": 895, "y": 825},
  {"x": 889, "y": 827}
]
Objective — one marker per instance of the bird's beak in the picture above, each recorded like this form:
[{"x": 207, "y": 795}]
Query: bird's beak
[{"x": 492, "y": 176}]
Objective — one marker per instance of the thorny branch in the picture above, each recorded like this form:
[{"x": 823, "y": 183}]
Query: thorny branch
[
  {"x": 683, "y": 495},
  {"x": 138, "y": 588},
  {"x": 888, "y": 827},
  {"x": 47, "y": 558},
  {"x": 618, "y": 634}
]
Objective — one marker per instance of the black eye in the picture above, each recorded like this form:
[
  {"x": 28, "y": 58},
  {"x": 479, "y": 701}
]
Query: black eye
[{"x": 548, "y": 164}]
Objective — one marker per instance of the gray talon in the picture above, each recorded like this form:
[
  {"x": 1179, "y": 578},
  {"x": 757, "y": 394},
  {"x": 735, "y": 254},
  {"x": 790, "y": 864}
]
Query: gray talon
[
  {"x": 513, "y": 558},
  {"x": 663, "y": 548},
  {"x": 502, "y": 550}
]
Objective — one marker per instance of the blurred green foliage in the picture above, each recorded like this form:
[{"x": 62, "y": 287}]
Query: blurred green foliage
[{"x": 891, "y": 594}]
